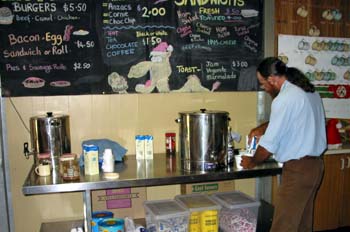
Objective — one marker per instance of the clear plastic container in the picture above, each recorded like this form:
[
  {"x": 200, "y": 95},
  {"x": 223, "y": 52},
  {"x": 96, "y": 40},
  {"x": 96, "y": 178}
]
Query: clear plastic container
[
  {"x": 166, "y": 216},
  {"x": 239, "y": 211},
  {"x": 204, "y": 212}
]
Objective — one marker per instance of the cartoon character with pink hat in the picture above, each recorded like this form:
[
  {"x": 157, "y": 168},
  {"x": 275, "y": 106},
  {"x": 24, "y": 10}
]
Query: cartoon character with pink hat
[{"x": 159, "y": 68}]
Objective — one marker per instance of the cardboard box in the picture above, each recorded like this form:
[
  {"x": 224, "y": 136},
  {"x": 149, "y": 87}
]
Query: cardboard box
[
  {"x": 208, "y": 187},
  {"x": 125, "y": 202}
]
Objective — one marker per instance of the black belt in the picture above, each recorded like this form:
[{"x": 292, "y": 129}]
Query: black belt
[
  {"x": 310, "y": 157},
  {"x": 307, "y": 157}
]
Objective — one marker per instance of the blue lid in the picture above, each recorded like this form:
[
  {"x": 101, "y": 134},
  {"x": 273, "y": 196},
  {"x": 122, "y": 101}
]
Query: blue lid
[
  {"x": 140, "y": 137},
  {"x": 90, "y": 147},
  {"x": 111, "y": 222},
  {"x": 102, "y": 214}
]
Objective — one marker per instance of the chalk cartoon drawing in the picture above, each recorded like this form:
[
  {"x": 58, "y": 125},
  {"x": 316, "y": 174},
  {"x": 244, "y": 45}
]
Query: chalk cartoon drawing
[
  {"x": 118, "y": 83},
  {"x": 159, "y": 69}
]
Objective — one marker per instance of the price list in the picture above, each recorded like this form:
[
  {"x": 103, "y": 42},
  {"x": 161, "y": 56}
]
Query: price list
[
  {"x": 49, "y": 46},
  {"x": 75, "y": 7},
  {"x": 70, "y": 47}
]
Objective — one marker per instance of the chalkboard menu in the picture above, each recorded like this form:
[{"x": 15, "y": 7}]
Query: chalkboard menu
[{"x": 129, "y": 46}]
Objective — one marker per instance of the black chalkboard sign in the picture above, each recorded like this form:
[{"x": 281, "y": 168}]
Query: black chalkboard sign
[{"x": 140, "y": 46}]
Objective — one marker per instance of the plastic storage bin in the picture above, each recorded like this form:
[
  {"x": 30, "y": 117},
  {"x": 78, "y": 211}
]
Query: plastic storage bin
[
  {"x": 166, "y": 216},
  {"x": 239, "y": 211},
  {"x": 204, "y": 212}
]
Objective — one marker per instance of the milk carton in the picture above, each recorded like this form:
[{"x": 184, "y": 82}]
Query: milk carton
[
  {"x": 90, "y": 153},
  {"x": 148, "y": 147},
  {"x": 140, "y": 147}
]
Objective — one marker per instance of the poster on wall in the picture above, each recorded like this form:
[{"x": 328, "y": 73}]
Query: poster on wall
[
  {"x": 326, "y": 62},
  {"x": 70, "y": 47}
]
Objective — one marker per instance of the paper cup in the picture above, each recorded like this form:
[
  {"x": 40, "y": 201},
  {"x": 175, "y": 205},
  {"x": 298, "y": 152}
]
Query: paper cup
[{"x": 238, "y": 159}]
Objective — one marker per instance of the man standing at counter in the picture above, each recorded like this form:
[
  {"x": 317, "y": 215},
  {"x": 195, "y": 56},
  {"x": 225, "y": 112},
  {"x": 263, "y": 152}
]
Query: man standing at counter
[{"x": 296, "y": 136}]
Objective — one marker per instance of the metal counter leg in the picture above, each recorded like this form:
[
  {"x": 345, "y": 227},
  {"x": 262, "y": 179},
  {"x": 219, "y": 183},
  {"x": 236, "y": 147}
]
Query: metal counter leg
[
  {"x": 263, "y": 188},
  {"x": 263, "y": 193},
  {"x": 87, "y": 210}
]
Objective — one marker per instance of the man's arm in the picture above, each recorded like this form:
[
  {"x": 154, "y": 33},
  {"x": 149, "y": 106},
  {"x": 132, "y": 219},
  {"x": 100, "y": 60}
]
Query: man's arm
[{"x": 258, "y": 131}]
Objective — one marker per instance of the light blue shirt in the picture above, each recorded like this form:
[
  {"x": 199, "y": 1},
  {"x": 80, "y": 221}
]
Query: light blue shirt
[{"x": 297, "y": 125}]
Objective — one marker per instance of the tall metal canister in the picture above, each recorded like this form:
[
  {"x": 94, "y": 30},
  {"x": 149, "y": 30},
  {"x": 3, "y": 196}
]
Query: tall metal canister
[
  {"x": 50, "y": 134},
  {"x": 203, "y": 139}
]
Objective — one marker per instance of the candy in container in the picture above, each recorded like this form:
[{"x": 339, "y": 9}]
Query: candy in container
[
  {"x": 204, "y": 212},
  {"x": 166, "y": 216},
  {"x": 239, "y": 211}
]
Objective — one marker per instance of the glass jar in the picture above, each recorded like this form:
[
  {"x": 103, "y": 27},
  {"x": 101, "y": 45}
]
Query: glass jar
[{"x": 69, "y": 167}]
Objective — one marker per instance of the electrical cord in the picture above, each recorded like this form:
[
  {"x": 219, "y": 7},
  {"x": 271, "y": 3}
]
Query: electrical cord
[{"x": 19, "y": 115}]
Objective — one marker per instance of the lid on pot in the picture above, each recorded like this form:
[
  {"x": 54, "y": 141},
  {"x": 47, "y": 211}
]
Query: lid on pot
[
  {"x": 49, "y": 115},
  {"x": 204, "y": 112}
]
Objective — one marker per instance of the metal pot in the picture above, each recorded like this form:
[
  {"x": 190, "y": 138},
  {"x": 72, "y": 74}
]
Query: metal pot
[
  {"x": 50, "y": 134},
  {"x": 203, "y": 139}
]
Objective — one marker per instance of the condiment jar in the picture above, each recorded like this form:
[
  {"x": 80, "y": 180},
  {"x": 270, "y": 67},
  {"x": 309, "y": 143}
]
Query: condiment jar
[{"x": 69, "y": 167}]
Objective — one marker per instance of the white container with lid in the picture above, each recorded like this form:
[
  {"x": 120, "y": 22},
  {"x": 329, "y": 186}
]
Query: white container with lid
[
  {"x": 239, "y": 211},
  {"x": 204, "y": 212},
  {"x": 166, "y": 216}
]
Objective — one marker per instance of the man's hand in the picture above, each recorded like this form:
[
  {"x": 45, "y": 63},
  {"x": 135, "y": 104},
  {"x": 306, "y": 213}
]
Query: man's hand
[
  {"x": 257, "y": 132},
  {"x": 248, "y": 162}
]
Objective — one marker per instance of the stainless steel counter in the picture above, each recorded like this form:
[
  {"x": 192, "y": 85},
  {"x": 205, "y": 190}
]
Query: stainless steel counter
[{"x": 138, "y": 173}]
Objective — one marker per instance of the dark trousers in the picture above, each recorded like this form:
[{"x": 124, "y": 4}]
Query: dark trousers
[{"x": 296, "y": 195}]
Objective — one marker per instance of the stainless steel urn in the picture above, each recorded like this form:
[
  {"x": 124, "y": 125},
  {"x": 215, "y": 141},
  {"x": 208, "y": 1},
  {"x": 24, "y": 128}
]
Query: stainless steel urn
[
  {"x": 203, "y": 139},
  {"x": 50, "y": 134}
]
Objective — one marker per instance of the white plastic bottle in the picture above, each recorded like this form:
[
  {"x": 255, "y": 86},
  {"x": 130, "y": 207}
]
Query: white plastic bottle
[{"x": 108, "y": 161}]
